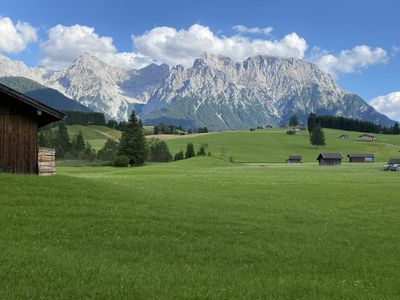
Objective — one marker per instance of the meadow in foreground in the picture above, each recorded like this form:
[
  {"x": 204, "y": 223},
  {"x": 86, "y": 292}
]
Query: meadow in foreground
[{"x": 201, "y": 228}]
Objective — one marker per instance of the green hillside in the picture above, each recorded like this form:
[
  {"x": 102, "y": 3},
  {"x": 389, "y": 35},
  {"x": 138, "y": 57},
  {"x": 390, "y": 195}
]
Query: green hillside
[
  {"x": 94, "y": 134},
  {"x": 275, "y": 145},
  {"x": 201, "y": 228},
  {"x": 261, "y": 146},
  {"x": 42, "y": 93}
]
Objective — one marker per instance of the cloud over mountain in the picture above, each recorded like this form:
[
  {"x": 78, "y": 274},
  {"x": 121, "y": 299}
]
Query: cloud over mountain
[
  {"x": 388, "y": 104},
  {"x": 172, "y": 46},
  {"x": 349, "y": 61},
  {"x": 66, "y": 43}
]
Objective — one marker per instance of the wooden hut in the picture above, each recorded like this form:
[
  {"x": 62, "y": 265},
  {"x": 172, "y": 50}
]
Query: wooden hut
[
  {"x": 299, "y": 127},
  {"x": 294, "y": 159},
  {"x": 330, "y": 159},
  {"x": 361, "y": 157},
  {"x": 20, "y": 118},
  {"x": 366, "y": 137}
]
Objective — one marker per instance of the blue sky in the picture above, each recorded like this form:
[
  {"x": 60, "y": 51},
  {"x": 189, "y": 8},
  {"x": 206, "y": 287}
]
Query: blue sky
[{"x": 330, "y": 29}]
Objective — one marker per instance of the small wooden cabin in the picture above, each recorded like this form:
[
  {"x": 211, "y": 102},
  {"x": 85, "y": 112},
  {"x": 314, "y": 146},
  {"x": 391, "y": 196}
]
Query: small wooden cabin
[
  {"x": 20, "y": 118},
  {"x": 294, "y": 159},
  {"x": 299, "y": 127},
  {"x": 360, "y": 158},
  {"x": 366, "y": 137},
  {"x": 344, "y": 137},
  {"x": 330, "y": 159}
]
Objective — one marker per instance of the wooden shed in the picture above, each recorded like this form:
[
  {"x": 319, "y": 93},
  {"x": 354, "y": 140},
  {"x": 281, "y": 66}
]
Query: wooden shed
[
  {"x": 361, "y": 157},
  {"x": 20, "y": 118},
  {"x": 330, "y": 159},
  {"x": 293, "y": 159},
  {"x": 366, "y": 137}
]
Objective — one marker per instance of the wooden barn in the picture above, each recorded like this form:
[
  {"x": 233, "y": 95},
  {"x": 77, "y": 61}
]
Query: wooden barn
[
  {"x": 330, "y": 159},
  {"x": 366, "y": 137},
  {"x": 20, "y": 118},
  {"x": 361, "y": 157},
  {"x": 294, "y": 159}
]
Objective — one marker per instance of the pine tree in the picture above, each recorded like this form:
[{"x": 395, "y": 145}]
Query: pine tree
[
  {"x": 311, "y": 122},
  {"x": 62, "y": 141},
  {"x": 159, "y": 152},
  {"x": 202, "y": 150},
  {"x": 133, "y": 142},
  {"x": 293, "y": 120},
  {"x": 317, "y": 137},
  {"x": 79, "y": 143},
  {"x": 396, "y": 129},
  {"x": 109, "y": 151},
  {"x": 189, "y": 150},
  {"x": 179, "y": 156}
]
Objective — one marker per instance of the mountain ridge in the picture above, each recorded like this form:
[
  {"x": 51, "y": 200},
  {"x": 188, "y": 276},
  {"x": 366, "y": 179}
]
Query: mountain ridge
[{"x": 216, "y": 91}]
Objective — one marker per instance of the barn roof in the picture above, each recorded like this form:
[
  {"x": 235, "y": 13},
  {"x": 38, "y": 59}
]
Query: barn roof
[
  {"x": 330, "y": 155},
  {"x": 367, "y": 135},
  {"x": 48, "y": 114},
  {"x": 394, "y": 161},
  {"x": 361, "y": 155}
]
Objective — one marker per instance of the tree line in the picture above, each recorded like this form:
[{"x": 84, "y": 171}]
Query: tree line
[
  {"x": 84, "y": 118},
  {"x": 336, "y": 122},
  {"x": 132, "y": 150},
  {"x": 66, "y": 148}
]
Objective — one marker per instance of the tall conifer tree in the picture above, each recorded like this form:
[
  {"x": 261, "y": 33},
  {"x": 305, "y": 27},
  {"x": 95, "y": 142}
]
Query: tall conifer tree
[{"x": 133, "y": 142}]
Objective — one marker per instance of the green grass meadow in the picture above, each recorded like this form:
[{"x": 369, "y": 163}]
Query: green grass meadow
[
  {"x": 274, "y": 145},
  {"x": 202, "y": 228}
]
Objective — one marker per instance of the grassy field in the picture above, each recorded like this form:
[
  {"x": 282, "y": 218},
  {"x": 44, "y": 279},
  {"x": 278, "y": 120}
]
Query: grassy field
[
  {"x": 275, "y": 145},
  {"x": 95, "y": 135},
  {"x": 271, "y": 145},
  {"x": 202, "y": 229}
]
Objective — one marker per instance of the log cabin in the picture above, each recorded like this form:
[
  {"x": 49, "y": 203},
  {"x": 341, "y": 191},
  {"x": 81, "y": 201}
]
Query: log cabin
[
  {"x": 361, "y": 157},
  {"x": 366, "y": 137},
  {"x": 330, "y": 159},
  {"x": 294, "y": 159},
  {"x": 20, "y": 119}
]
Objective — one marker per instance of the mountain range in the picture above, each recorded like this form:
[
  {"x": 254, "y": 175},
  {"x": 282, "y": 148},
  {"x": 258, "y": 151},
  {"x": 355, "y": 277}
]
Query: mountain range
[{"x": 216, "y": 91}]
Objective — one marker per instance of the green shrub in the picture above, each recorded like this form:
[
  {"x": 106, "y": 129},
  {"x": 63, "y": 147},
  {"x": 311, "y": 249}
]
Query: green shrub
[{"x": 121, "y": 161}]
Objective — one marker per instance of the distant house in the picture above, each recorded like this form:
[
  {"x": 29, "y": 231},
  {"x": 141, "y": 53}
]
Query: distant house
[
  {"x": 357, "y": 157},
  {"x": 293, "y": 159},
  {"x": 299, "y": 127},
  {"x": 330, "y": 159},
  {"x": 20, "y": 118},
  {"x": 344, "y": 136},
  {"x": 366, "y": 137}
]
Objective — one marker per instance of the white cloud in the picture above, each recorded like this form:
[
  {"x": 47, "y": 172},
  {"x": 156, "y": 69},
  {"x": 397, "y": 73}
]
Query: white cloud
[
  {"x": 388, "y": 104},
  {"x": 171, "y": 46},
  {"x": 66, "y": 43},
  {"x": 253, "y": 30},
  {"x": 349, "y": 61},
  {"x": 15, "y": 38}
]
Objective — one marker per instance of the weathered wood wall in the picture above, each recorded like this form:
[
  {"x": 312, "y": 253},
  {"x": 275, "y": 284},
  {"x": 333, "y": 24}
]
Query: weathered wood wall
[
  {"x": 18, "y": 137},
  {"x": 330, "y": 162}
]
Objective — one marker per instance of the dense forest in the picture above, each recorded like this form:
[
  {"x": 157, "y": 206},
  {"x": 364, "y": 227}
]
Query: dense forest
[
  {"x": 84, "y": 118},
  {"x": 349, "y": 124}
]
